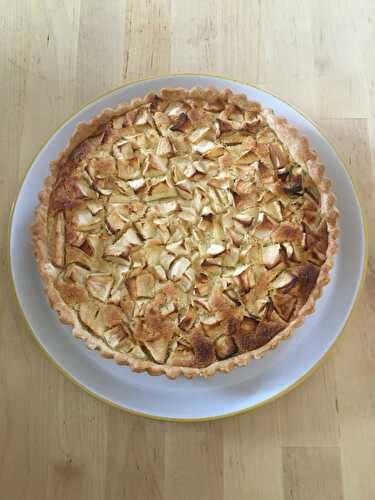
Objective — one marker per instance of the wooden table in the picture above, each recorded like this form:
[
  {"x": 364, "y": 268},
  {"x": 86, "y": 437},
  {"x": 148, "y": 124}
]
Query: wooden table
[{"x": 318, "y": 442}]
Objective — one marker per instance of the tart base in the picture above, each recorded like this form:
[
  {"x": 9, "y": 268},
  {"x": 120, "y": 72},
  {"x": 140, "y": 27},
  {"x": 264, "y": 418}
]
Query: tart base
[{"x": 300, "y": 151}]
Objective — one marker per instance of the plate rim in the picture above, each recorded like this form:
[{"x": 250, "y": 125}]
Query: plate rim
[{"x": 316, "y": 366}]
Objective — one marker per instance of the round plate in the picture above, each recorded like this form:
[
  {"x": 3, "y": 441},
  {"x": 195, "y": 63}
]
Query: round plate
[{"x": 222, "y": 394}]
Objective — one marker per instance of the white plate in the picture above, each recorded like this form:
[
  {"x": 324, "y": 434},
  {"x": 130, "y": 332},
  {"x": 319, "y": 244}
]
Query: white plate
[{"x": 242, "y": 389}]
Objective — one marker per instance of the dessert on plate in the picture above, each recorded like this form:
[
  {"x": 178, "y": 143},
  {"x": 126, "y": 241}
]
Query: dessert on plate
[{"x": 186, "y": 232}]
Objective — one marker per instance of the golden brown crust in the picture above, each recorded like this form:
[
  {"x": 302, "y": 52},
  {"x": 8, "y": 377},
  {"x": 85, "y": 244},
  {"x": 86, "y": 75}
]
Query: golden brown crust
[{"x": 248, "y": 337}]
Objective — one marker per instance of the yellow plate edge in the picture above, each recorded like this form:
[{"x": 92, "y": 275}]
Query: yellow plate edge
[{"x": 226, "y": 415}]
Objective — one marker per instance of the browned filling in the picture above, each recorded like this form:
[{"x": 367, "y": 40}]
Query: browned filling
[{"x": 184, "y": 233}]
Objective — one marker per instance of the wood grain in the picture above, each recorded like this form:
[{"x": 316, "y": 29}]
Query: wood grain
[
  {"x": 312, "y": 472},
  {"x": 317, "y": 442}
]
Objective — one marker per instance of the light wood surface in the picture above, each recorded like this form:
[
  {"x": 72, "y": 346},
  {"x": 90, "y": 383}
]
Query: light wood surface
[{"x": 56, "y": 442}]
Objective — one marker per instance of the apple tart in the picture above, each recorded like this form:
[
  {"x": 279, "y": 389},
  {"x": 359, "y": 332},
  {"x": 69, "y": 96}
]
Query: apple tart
[{"x": 186, "y": 232}]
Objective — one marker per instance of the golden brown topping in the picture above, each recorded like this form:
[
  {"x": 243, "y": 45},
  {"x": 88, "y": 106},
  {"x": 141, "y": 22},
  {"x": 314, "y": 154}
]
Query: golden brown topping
[
  {"x": 145, "y": 285},
  {"x": 225, "y": 347},
  {"x": 58, "y": 243},
  {"x": 278, "y": 156},
  {"x": 165, "y": 147},
  {"x": 243, "y": 333},
  {"x": 103, "y": 167},
  {"x": 307, "y": 275},
  {"x": 99, "y": 318},
  {"x": 179, "y": 123},
  {"x": 72, "y": 293},
  {"x": 271, "y": 255},
  {"x": 184, "y": 232},
  {"x": 203, "y": 347},
  {"x": 225, "y": 308},
  {"x": 284, "y": 304},
  {"x": 178, "y": 268},
  {"x": 99, "y": 285},
  {"x": 266, "y": 330},
  {"x": 181, "y": 357},
  {"x": 110, "y": 316},
  {"x": 222, "y": 126},
  {"x": 282, "y": 280},
  {"x": 287, "y": 232},
  {"x": 117, "y": 338}
]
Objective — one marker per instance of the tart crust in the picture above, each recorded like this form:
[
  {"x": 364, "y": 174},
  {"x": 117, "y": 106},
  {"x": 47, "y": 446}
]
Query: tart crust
[{"x": 299, "y": 150}]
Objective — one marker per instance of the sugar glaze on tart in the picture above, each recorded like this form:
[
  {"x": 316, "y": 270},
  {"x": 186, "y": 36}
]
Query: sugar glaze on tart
[{"x": 185, "y": 233}]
